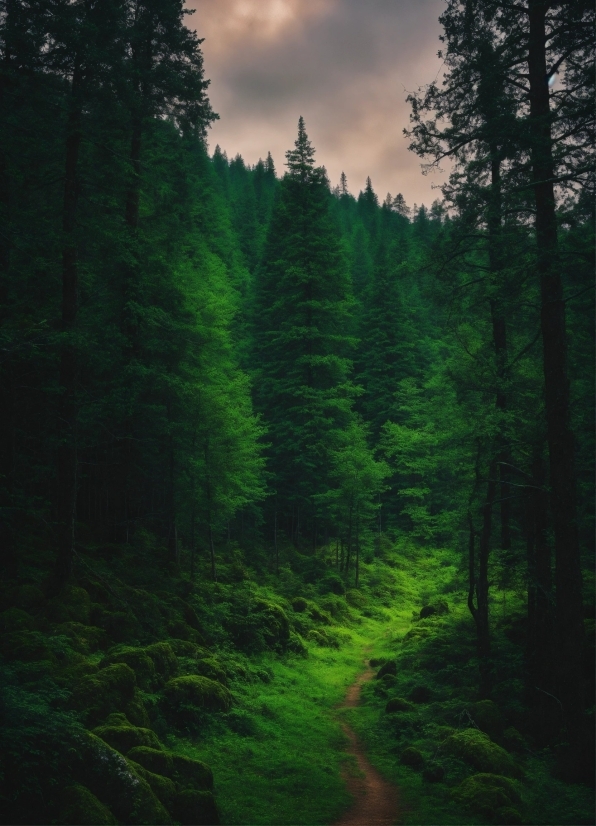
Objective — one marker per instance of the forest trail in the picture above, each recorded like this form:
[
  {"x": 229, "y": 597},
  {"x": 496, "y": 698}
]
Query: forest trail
[{"x": 375, "y": 800}]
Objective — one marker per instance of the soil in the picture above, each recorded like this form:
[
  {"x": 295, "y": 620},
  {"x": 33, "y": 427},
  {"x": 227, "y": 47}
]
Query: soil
[{"x": 375, "y": 800}]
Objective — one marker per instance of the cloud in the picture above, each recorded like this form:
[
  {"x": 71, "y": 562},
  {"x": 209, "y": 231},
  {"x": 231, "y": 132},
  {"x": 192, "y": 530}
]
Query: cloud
[{"x": 345, "y": 65}]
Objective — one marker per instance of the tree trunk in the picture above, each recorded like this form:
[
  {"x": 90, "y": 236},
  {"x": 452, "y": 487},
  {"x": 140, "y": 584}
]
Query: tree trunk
[
  {"x": 480, "y": 584},
  {"x": 568, "y": 582},
  {"x": 544, "y": 710},
  {"x": 67, "y": 411}
]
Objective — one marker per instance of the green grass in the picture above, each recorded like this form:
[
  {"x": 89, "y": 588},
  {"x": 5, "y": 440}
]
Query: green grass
[{"x": 282, "y": 764}]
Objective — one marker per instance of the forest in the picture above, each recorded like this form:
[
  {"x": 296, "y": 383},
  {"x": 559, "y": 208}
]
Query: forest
[{"x": 259, "y": 427}]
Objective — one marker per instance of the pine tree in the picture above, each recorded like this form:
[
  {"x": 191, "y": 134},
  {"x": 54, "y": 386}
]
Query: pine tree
[{"x": 302, "y": 332}]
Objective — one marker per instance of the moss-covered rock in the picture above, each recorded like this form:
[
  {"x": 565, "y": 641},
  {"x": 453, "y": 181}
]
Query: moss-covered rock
[
  {"x": 27, "y": 646},
  {"x": 195, "y": 808},
  {"x": 72, "y": 604},
  {"x": 162, "y": 787},
  {"x": 183, "y": 694},
  {"x": 123, "y": 737},
  {"x": 396, "y": 704},
  {"x": 135, "y": 710},
  {"x": 15, "y": 619},
  {"x": 120, "y": 626},
  {"x": 413, "y": 758},
  {"x": 113, "y": 780},
  {"x": 477, "y": 749},
  {"x": 210, "y": 667},
  {"x": 192, "y": 773},
  {"x": 80, "y": 807},
  {"x": 85, "y": 639},
  {"x": 110, "y": 689},
  {"x": 487, "y": 717},
  {"x": 488, "y": 794},
  {"x": 387, "y": 668},
  {"x": 164, "y": 659},
  {"x": 185, "y": 648},
  {"x": 153, "y": 760},
  {"x": 138, "y": 660}
]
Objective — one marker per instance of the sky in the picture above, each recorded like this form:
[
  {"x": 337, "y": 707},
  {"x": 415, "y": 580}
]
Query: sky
[{"x": 346, "y": 66}]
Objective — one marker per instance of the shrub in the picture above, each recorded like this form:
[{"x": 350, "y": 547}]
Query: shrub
[
  {"x": 388, "y": 668},
  {"x": 413, "y": 758},
  {"x": 110, "y": 689},
  {"x": 396, "y": 704}
]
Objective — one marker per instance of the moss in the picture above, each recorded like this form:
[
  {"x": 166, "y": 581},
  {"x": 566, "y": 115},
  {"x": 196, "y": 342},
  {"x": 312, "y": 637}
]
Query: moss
[
  {"x": 388, "y": 668},
  {"x": 508, "y": 816},
  {"x": 72, "y": 604},
  {"x": 162, "y": 787},
  {"x": 299, "y": 604},
  {"x": 185, "y": 648},
  {"x": 194, "y": 808},
  {"x": 80, "y": 807},
  {"x": 15, "y": 619},
  {"x": 189, "y": 772},
  {"x": 477, "y": 749},
  {"x": 182, "y": 630},
  {"x": 396, "y": 704},
  {"x": 336, "y": 606},
  {"x": 485, "y": 794},
  {"x": 164, "y": 659},
  {"x": 200, "y": 692},
  {"x": 153, "y": 760},
  {"x": 28, "y": 646},
  {"x": 138, "y": 660},
  {"x": 110, "y": 689},
  {"x": 114, "y": 781},
  {"x": 487, "y": 717},
  {"x": 210, "y": 667},
  {"x": 124, "y": 737},
  {"x": 413, "y": 758},
  {"x": 377, "y": 662},
  {"x": 135, "y": 710}
]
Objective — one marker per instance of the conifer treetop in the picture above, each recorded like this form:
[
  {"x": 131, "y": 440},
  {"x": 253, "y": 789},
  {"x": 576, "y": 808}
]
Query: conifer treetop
[{"x": 300, "y": 160}]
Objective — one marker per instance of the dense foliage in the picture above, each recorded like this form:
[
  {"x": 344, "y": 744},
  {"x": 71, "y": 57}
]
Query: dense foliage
[{"x": 233, "y": 403}]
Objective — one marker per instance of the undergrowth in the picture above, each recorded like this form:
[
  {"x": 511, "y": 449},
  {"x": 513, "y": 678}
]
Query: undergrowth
[{"x": 138, "y": 696}]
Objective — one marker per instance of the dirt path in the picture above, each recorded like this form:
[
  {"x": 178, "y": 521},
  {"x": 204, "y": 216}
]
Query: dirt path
[{"x": 375, "y": 800}]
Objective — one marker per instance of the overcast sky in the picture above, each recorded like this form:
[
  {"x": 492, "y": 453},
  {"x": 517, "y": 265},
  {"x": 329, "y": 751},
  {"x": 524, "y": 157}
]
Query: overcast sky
[{"x": 346, "y": 66}]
